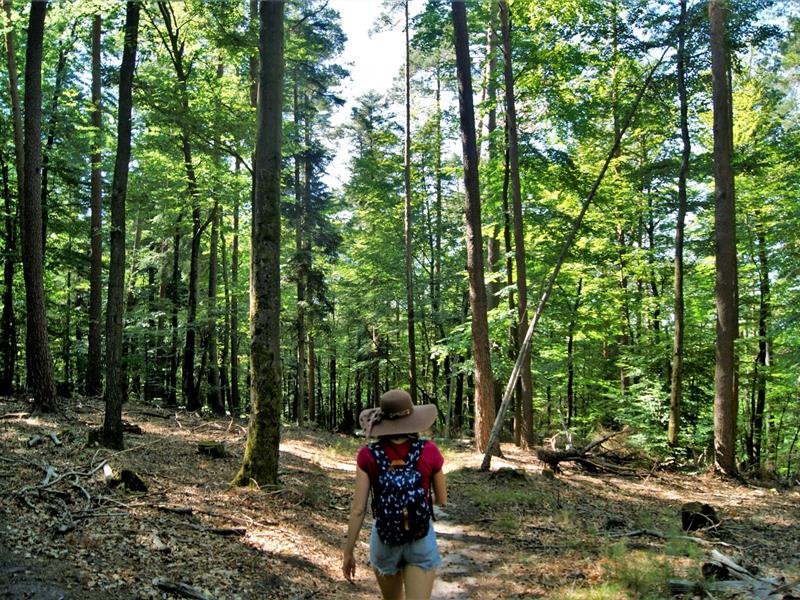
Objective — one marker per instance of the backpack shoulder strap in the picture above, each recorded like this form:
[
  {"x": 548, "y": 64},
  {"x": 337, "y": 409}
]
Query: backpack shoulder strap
[
  {"x": 415, "y": 452},
  {"x": 380, "y": 456}
]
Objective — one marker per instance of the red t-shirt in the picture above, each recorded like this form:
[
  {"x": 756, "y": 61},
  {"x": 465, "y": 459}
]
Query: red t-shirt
[{"x": 430, "y": 460}]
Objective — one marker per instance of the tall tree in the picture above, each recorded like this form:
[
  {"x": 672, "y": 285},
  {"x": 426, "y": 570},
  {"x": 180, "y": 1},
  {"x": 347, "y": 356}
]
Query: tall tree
[
  {"x": 94, "y": 383},
  {"x": 676, "y": 379},
  {"x": 114, "y": 392},
  {"x": 175, "y": 44},
  {"x": 725, "y": 376},
  {"x": 8, "y": 337},
  {"x": 260, "y": 462},
  {"x": 38, "y": 358},
  {"x": 8, "y": 328},
  {"x": 484, "y": 384},
  {"x": 526, "y": 394},
  {"x": 216, "y": 400},
  {"x": 407, "y": 226}
]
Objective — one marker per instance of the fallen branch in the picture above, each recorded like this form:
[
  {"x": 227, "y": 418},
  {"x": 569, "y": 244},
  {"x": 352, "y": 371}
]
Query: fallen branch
[
  {"x": 15, "y": 415},
  {"x": 582, "y": 456},
  {"x": 181, "y": 589},
  {"x": 664, "y": 536}
]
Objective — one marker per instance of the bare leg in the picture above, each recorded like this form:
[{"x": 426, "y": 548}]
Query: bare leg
[
  {"x": 419, "y": 583},
  {"x": 391, "y": 585}
]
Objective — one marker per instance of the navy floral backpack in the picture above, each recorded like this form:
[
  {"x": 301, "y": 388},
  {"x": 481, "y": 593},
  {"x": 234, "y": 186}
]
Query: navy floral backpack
[{"x": 401, "y": 506}]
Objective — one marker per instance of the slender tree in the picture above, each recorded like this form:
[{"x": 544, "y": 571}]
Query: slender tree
[
  {"x": 8, "y": 329},
  {"x": 8, "y": 334},
  {"x": 94, "y": 383},
  {"x": 676, "y": 381},
  {"x": 526, "y": 393},
  {"x": 407, "y": 225},
  {"x": 725, "y": 384},
  {"x": 484, "y": 384},
  {"x": 38, "y": 358},
  {"x": 114, "y": 392},
  {"x": 260, "y": 462},
  {"x": 215, "y": 398}
]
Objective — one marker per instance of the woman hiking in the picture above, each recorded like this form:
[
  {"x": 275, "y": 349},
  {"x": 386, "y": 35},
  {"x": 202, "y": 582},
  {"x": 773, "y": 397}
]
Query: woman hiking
[{"x": 405, "y": 476}]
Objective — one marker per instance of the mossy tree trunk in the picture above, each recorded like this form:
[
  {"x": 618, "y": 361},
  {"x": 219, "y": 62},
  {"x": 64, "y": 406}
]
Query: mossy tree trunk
[{"x": 260, "y": 462}]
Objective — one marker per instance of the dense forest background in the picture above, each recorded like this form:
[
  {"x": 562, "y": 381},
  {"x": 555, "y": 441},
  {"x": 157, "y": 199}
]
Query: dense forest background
[{"x": 376, "y": 287}]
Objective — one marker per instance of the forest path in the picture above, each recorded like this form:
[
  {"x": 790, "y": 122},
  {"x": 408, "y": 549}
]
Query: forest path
[
  {"x": 459, "y": 559},
  {"x": 510, "y": 533}
]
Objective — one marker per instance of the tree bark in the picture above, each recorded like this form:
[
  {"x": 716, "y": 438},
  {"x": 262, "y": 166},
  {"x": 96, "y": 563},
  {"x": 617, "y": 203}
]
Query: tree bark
[
  {"x": 94, "y": 380},
  {"x": 112, "y": 424},
  {"x": 725, "y": 392},
  {"x": 676, "y": 379},
  {"x": 484, "y": 385},
  {"x": 526, "y": 393},
  {"x": 38, "y": 358},
  {"x": 260, "y": 462}
]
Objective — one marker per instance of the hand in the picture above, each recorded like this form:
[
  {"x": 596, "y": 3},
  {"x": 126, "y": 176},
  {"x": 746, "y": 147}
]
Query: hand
[{"x": 348, "y": 566}]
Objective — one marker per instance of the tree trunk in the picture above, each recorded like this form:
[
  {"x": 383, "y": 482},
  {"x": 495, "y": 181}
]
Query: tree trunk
[
  {"x": 67, "y": 341},
  {"x": 525, "y": 396},
  {"x": 332, "y": 390},
  {"x": 493, "y": 254},
  {"x": 484, "y": 385},
  {"x": 236, "y": 402},
  {"x": 8, "y": 336},
  {"x": 38, "y": 358},
  {"x": 725, "y": 397},
  {"x": 226, "y": 333},
  {"x": 8, "y": 328},
  {"x": 764, "y": 351},
  {"x": 301, "y": 271},
  {"x": 175, "y": 47},
  {"x": 215, "y": 400},
  {"x": 676, "y": 379},
  {"x": 260, "y": 462},
  {"x": 312, "y": 394},
  {"x": 570, "y": 355},
  {"x": 51, "y": 135},
  {"x": 174, "y": 293},
  {"x": 407, "y": 227},
  {"x": 112, "y": 425},
  {"x": 94, "y": 380}
]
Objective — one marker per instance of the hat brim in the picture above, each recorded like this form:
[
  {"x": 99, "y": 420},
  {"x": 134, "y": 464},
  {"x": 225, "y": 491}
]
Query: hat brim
[{"x": 421, "y": 419}]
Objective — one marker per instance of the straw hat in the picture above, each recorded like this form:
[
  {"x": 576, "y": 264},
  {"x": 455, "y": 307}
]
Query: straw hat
[{"x": 397, "y": 415}]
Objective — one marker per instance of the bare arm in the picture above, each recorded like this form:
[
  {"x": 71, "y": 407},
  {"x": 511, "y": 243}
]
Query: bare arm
[
  {"x": 439, "y": 489},
  {"x": 357, "y": 512}
]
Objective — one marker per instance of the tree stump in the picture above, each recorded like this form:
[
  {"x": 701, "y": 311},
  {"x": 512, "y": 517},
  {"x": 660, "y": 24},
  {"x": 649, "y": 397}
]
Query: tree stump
[
  {"x": 696, "y": 515},
  {"x": 212, "y": 449}
]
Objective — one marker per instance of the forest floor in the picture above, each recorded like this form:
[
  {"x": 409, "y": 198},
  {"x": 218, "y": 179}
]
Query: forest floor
[{"x": 517, "y": 532}]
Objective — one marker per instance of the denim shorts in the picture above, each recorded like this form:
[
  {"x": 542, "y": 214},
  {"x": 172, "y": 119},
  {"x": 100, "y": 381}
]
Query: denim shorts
[{"x": 388, "y": 560}]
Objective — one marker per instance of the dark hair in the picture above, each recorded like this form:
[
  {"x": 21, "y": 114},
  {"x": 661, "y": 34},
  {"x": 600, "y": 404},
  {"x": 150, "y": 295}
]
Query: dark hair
[{"x": 398, "y": 436}]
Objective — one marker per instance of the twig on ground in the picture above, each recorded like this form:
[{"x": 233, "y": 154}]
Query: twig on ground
[{"x": 664, "y": 536}]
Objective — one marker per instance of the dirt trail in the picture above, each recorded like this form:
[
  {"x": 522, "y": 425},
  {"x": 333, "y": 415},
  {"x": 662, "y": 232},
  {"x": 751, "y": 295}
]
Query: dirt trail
[
  {"x": 513, "y": 533},
  {"x": 459, "y": 562}
]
